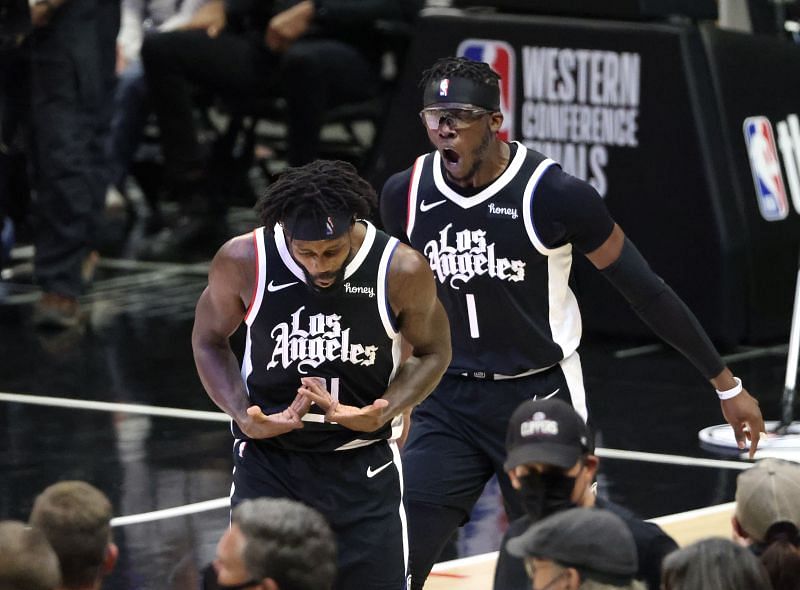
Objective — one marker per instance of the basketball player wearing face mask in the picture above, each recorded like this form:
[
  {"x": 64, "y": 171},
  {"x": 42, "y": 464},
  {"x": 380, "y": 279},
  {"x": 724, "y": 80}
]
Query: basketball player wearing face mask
[{"x": 551, "y": 464}]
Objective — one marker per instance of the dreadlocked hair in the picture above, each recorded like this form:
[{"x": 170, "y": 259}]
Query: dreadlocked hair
[
  {"x": 460, "y": 67},
  {"x": 323, "y": 187}
]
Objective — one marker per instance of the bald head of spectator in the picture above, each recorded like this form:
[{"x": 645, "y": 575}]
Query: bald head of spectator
[
  {"x": 76, "y": 519},
  {"x": 27, "y": 562}
]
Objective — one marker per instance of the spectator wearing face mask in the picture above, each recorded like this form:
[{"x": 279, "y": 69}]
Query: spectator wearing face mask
[
  {"x": 579, "y": 549},
  {"x": 551, "y": 464}
]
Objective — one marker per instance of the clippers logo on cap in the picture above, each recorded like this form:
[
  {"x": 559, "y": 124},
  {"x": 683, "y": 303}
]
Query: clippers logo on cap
[
  {"x": 501, "y": 58},
  {"x": 766, "y": 168},
  {"x": 539, "y": 424},
  {"x": 443, "y": 86}
]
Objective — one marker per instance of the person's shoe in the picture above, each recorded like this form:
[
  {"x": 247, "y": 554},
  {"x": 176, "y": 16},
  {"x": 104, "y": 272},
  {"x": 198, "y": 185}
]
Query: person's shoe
[
  {"x": 191, "y": 239},
  {"x": 56, "y": 311}
]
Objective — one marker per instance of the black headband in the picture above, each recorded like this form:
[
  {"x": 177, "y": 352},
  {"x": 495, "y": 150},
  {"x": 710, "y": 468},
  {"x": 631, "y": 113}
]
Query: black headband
[
  {"x": 313, "y": 226},
  {"x": 462, "y": 91}
]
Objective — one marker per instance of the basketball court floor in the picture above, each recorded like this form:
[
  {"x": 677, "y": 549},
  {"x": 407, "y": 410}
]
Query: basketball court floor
[{"x": 118, "y": 403}]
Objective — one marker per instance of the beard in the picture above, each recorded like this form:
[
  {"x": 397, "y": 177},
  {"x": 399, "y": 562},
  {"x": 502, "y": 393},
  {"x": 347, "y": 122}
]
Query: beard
[{"x": 333, "y": 288}]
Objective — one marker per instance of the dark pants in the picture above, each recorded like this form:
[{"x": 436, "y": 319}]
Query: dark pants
[
  {"x": 127, "y": 122},
  {"x": 312, "y": 74},
  {"x": 360, "y": 493},
  {"x": 72, "y": 78},
  {"x": 456, "y": 444},
  {"x": 315, "y": 75}
]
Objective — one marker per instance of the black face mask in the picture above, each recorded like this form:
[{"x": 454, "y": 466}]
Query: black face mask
[{"x": 543, "y": 494}]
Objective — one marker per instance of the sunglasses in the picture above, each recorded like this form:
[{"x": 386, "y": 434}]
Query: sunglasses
[{"x": 454, "y": 118}]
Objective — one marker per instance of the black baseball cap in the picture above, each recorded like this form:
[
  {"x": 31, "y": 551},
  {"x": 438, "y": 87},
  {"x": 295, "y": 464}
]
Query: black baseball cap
[
  {"x": 594, "y": 541},
  {"x": 546, "y": 431}
]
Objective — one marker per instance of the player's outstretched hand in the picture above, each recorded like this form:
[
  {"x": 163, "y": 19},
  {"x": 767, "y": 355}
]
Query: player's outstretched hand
[
  {"x": 744, "y": 415},
  {"x": 366, "y": 419},
  {"x": 261, "y": 425}
]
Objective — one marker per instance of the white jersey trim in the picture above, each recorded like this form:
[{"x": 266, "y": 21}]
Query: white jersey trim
[
  {"x": 352, "y": 266},
  {"x": 573, "y": 374},
  {"x": 382, "y": 282},
  {"x": 527, "y": 210},
  {"x": 495, "y": 187},
  {"x": 385, "y": 306},
  {"x": 565, "y": 317},
  {"x": 255, "y": 305},
  {"x": 413, "y": 190},
  {"x": 403, "y": 519},
  {"x": 261, "y": 276}
]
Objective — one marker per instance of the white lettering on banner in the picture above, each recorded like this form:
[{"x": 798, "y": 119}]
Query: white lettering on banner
[
  {"x": 468, "y": 257},
  {"x": 324, "y": 340},
  {"x": 789, "y": 145},
  {"x": 578, "y": 102}
]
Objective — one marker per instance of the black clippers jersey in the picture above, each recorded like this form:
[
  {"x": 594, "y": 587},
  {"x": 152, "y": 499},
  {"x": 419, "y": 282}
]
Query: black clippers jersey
[
  {"x": 348, "y": 338},
  {"x": 507, "y": 295}
]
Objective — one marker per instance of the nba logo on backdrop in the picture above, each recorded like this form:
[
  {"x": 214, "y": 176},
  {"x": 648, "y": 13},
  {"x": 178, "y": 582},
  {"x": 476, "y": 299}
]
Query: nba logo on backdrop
[
  {"x": 500, "y": 56},
  {"x": 766, "y": 167}
]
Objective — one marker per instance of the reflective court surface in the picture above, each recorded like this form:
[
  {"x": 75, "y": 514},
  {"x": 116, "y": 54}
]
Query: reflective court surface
[{"x": 65, "y": 413}]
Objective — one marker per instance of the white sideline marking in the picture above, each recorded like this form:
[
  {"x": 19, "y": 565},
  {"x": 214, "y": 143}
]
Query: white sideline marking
[
  {"x": 670, "y": 459},
  {"x": 80, "y": 404},
  {"x": 624, "y": 353},
  {"x": 445, "y": 566},
  {"x": 461, "y": 562},
  {"x": 689, "y": 514},
  {"x": 225, "y": 502},
  {"x": 221, "y": 417},
  {"x": 441, "y": 566},
  {"x": 172, "y": 512}
]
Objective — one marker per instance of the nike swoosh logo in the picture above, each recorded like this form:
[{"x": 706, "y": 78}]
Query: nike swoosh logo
[
  {"x": 547, "y": 396},
  {"x": 372, "y": 473},
  {"x": 423, "y": 206},
  {"x": 272, "y": 287}
]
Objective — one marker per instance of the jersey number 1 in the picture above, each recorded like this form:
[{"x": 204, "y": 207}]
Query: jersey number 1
[{"x": 472, "y": 314}]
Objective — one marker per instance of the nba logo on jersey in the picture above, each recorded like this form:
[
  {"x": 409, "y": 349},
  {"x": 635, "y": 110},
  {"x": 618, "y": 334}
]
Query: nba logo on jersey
[
  {"x": 500, "y": 56},
  {"x": 766, "y": 168}
]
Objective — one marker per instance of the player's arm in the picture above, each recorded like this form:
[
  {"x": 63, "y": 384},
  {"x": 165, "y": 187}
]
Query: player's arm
[
  {"x": 425, "y": 329},
  {"x": 584, "y": 221},
  {"x": 669, "y": 317},
  {"x": 220, "y": 310},
  {"x": 423, "y": 326}
]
